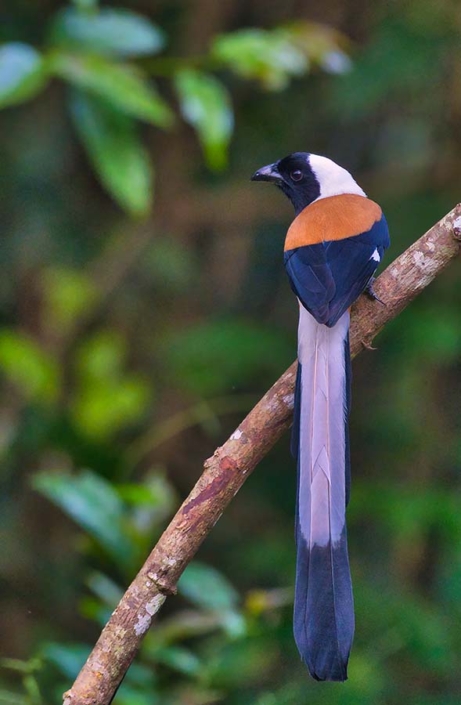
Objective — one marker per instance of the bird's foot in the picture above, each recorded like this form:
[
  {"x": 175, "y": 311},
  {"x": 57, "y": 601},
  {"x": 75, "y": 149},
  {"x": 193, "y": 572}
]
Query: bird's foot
[
  {"x": 367, "y": 345},
  {"x": 369, "y": 291}
]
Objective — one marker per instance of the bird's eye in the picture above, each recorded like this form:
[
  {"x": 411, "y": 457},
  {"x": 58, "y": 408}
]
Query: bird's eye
[{"x": 296, "y": 175}]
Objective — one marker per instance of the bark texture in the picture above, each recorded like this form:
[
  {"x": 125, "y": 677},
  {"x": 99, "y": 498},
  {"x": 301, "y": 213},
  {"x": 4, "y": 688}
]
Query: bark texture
[{"x": 226, "y": 471}]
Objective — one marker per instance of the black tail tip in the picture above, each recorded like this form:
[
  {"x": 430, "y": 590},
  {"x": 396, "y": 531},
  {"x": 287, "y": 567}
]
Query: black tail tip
[
  {"x": 334, "y": 671},
  {"x": 331, "y": 677}
]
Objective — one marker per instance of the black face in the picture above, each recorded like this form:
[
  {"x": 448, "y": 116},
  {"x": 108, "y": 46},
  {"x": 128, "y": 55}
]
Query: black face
[{"x": 294, "y": 176}]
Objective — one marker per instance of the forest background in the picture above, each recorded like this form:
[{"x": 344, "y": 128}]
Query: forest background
[{"x": 144, "y": 309}]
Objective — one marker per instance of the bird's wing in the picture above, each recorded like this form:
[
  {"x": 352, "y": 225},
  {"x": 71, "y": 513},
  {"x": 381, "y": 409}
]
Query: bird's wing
[{"x": 328, "y": 277}]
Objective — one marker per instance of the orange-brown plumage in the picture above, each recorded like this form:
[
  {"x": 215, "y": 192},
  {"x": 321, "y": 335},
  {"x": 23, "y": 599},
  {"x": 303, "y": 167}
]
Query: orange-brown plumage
[{"x": 332, "y": 218}]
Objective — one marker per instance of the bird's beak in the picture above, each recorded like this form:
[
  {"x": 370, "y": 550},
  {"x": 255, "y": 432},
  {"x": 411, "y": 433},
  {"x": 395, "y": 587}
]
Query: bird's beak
[{"x": 268, "y": 173}]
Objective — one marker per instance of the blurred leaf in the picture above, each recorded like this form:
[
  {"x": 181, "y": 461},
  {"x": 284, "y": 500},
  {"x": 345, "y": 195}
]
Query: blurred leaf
[
  {"x": 68, "y": 658},
  {"x": 124, "y": 86},
  {"x": 274, "y": 56},
  {"x": 179, "y": 659},
  {"x": 101, "y": 409},
  {"x": 85, "y": 5},
  {"x": 129, "y": 695},
  {"x": 206, "y": 105},
  {"x": 112, "y": 31},
  {"x": 116, "y": 152},
  {"x": 68, "y": 294},
  {"x": 259, "y": 601},
  {"x": 206, "y": 587},
  {"x": 152, "y": 502},
  {"x": 93, "y": 609},
  {"x": 186, "y": 624},
  {"x": 269, "y": 56},
  {"x": 22, "y": 73},
  {"x": 106, "y": 589},
  {"x": 106, "y": 399},
  {"x": 102, "y": 357},
  {"x": 32, "y": 689},
  {"x": 141, "y": 675},
  {"x": 336, "y": 61},
  {"x": 93, "y": 504},
  {"x": 240, "y": 662},
  {"x": 15, "y": 664},
  {"x": 139, "y": 495},
  {"x": 28, "y": 366},
  {"x": 8, "y": 697},
  {"x": 214, "y": 357},
  {"x": 321, "y": 44},
  {"x": 234, "y": 624},
  {"x": 139, "y": 687}
]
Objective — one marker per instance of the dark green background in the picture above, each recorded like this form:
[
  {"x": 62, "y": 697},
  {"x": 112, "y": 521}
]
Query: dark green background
[{"x": 131, "y": 347}]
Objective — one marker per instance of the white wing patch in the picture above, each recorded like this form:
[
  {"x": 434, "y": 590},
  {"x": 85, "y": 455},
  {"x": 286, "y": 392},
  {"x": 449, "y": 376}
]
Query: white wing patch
[{"x": 376, "y": 256}]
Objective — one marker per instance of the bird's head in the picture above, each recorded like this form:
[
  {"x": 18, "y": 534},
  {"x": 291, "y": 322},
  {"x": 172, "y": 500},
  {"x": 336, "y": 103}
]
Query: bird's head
[{"x": 305, "y": 177}]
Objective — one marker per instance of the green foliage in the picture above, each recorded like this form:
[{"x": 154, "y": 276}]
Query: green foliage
[
  {"x": 267, "y": 56},
  {"x": 106, "y": 400},
  {"x": 206, "y": 105},
  {"x": 273, "y": 57},
  {"x": 28, "y": 366},
  {"x": 22, "y": 73},
  {"x": 130, "y": 350},
  {"x": 69, "y": 658},
  {"x": 116, "y": 152},
  {"x": 325, "y": 46},
  {"x": 118, "y": 518},
  {"x": 27, "y": 672},
  {"x": 110, "y": 518},
  {"x": 207, "y": 588},
  {"x": 123, "y": 86},
  {"x": 86, "y": 5},
  {"x": 68, "y": 295},
  {"x": 180, "y": 660},
  {"x": 94, "y": 504},
  {"x": 93, "y": 50},
  {"x": 117, "y": 32}
]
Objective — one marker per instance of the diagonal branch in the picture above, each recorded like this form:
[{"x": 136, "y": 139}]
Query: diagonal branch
[{"x": 226, "y": 471}]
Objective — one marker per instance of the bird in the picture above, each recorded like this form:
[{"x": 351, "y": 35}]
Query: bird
[{"x": 332, "y": 249}]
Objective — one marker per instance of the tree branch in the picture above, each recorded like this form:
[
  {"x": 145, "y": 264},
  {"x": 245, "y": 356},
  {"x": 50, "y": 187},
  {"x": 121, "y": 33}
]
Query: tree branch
[{"x": 226, "y": 471}]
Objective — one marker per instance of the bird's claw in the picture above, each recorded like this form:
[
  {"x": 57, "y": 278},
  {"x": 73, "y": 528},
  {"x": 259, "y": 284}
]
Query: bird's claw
[{"x": 369, "y": 291}]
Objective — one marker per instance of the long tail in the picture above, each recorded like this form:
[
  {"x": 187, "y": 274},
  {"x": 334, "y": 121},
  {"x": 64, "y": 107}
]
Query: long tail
[{"x": 324, "y": 609}]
